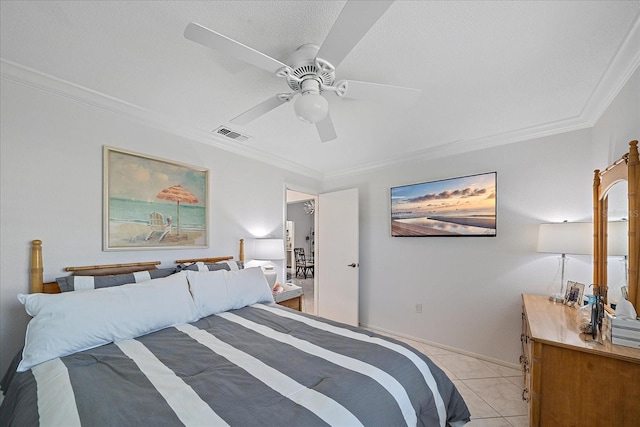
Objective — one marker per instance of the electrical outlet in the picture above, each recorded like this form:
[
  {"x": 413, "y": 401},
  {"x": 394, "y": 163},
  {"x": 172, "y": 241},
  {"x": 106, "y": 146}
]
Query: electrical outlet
[{"x": 418, "y": 308}]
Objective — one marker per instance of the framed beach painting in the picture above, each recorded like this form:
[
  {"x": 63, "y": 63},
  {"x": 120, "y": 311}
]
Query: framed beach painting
[
  {"x": 464, "y": 206},
  {"x": 153, "y": 203}
]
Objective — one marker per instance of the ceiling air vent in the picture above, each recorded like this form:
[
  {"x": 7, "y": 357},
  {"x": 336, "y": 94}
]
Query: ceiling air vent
[{"x": 231, "y": 134}]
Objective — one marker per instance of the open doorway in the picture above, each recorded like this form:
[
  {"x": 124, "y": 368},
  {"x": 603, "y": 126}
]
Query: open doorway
[{"x": 300, "y": 245}]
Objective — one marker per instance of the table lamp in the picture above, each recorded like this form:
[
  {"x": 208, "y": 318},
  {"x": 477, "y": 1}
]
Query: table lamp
[
  {"x": 269, "y": 250},
  {"x": 565, "y": 238}
]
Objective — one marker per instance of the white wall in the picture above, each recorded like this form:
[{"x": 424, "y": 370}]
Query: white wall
[
  {"x": 470, "y": 286},
  {"x": 51, "y": 189},
  {"x": 618, "y": 125}
]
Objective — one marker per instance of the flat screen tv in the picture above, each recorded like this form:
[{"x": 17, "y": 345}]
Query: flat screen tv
[{"x": 464, "y": 206}]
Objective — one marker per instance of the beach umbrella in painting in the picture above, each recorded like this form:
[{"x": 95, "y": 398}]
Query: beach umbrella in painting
[{"x": 177, "y": 193}]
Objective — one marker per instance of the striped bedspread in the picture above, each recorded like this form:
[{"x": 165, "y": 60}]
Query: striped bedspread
[{"x": 261, "y": 365}]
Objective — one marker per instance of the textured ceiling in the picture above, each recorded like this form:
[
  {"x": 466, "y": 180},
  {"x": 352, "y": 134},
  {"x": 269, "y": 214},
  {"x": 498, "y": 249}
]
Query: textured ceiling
[{"x": 490, "y": 72}]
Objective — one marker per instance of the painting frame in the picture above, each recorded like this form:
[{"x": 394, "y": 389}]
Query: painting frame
[
  {"x": 151, "y": 203},
  {"x": 464, "y": 206}
]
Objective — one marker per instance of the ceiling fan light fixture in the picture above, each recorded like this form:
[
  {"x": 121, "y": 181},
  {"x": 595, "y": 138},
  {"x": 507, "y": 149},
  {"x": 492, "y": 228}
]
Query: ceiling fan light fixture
[
  {"x": 310, "y": 69},
  {"x": 311, "y": 107}
]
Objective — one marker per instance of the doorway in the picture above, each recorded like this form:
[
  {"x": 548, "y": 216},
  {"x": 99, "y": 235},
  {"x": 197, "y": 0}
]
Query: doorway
[{"x": 301, "y": 237}]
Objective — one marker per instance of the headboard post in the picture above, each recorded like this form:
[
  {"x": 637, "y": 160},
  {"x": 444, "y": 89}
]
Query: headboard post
[
  {"x": 36, "y": 278},
  {"x": 241, "y": 254}
]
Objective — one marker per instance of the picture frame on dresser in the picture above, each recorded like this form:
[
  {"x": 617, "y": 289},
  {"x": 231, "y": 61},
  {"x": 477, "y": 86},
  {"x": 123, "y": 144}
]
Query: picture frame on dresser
[
  {"x": 574, "y": 294},
  {"x": 153, "y": 203}
]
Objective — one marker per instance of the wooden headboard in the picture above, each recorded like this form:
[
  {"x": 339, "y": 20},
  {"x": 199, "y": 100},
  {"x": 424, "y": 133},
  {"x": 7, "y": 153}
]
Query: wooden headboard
[{"x": 37, "y": 284}]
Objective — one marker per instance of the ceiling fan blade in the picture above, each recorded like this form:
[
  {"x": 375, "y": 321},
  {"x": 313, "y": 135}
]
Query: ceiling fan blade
[
  {"x": 355, "y": 20},
  {"x": 209, "y": 38},
  {"x": 326, "y": 130},
  {"x": 378, "y": 92},
  {"x": 261, "y": 109}
]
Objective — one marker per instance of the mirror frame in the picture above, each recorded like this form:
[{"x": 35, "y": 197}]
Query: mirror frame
[{"x": 627, "y": 169}]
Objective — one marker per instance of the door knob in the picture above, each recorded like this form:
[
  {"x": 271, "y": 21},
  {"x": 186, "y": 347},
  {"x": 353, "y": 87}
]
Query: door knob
[{"x": 353, "y": 264}]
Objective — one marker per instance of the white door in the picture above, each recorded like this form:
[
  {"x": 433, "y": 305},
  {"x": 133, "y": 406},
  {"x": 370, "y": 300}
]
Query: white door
[{"x": 337, "y": 263}]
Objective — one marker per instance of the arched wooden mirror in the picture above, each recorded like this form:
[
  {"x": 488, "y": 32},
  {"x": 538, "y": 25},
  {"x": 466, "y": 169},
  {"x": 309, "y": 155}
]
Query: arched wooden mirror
[{"x": 627, "y": 169}]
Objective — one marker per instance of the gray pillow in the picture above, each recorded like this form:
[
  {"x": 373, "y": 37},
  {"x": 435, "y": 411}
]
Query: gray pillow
[
  {"x": 211, "y": 266},
  {"x": 76, "y": 283}
]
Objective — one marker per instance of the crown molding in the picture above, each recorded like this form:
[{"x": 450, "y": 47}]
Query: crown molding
[
  {"x": 620, "y": 69},
  {"x": 28, "y": 77},
  {"x": 624, "y": 63},
  {"x": 467, "y": 146}
]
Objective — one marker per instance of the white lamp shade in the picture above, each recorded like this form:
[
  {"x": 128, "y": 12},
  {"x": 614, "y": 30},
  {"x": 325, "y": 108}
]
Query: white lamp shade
[
  {"x": 268, "y": 249},
  {"x": 566, "y": 238},
  {"x": 618, "y": 238},
  {"x": 311, "y": 107}
]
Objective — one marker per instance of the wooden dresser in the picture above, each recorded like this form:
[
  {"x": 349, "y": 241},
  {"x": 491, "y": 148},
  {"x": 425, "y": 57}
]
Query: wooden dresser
[{"x": 571, "y": 380}]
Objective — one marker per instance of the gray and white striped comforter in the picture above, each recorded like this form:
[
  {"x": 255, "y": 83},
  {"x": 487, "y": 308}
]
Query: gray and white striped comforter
[{"x": 260, "y": 365}]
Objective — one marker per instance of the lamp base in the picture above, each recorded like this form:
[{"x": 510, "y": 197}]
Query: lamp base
[
  {"x": 556, "y": 289},
  {"x": 271, "y": 276},
  {"x": 556, "y": 298}
]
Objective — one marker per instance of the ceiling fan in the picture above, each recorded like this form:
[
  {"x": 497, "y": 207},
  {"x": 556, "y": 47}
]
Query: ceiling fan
[{"x": 310, "y": 69}]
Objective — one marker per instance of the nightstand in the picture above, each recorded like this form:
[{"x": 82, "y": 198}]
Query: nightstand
[{"x": 291, "y": 297}]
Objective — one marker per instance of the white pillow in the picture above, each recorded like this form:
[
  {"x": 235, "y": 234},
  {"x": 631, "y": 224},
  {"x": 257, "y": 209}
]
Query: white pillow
[
  {"x": 222, "y": 290},
  {"x": 209, "y": 291},
  {"x": 70, "y": 322}
]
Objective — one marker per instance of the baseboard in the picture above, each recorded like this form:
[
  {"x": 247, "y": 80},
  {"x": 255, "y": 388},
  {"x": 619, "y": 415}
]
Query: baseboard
[{"x": 445, "y": 347}]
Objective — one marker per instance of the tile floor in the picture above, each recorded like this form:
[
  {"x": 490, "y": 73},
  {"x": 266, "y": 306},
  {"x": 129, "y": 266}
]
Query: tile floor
[
  {"x": 307, "y": 289},
  {"x": 493, "y": 392}
]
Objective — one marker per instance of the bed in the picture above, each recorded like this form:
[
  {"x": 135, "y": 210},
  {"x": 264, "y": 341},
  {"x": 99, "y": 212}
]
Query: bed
[{"x": 204, "y": 346}]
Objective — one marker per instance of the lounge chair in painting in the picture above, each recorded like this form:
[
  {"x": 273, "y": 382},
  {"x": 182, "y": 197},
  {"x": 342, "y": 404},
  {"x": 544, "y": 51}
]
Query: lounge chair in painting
[{"x": 157, "y": 225}]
